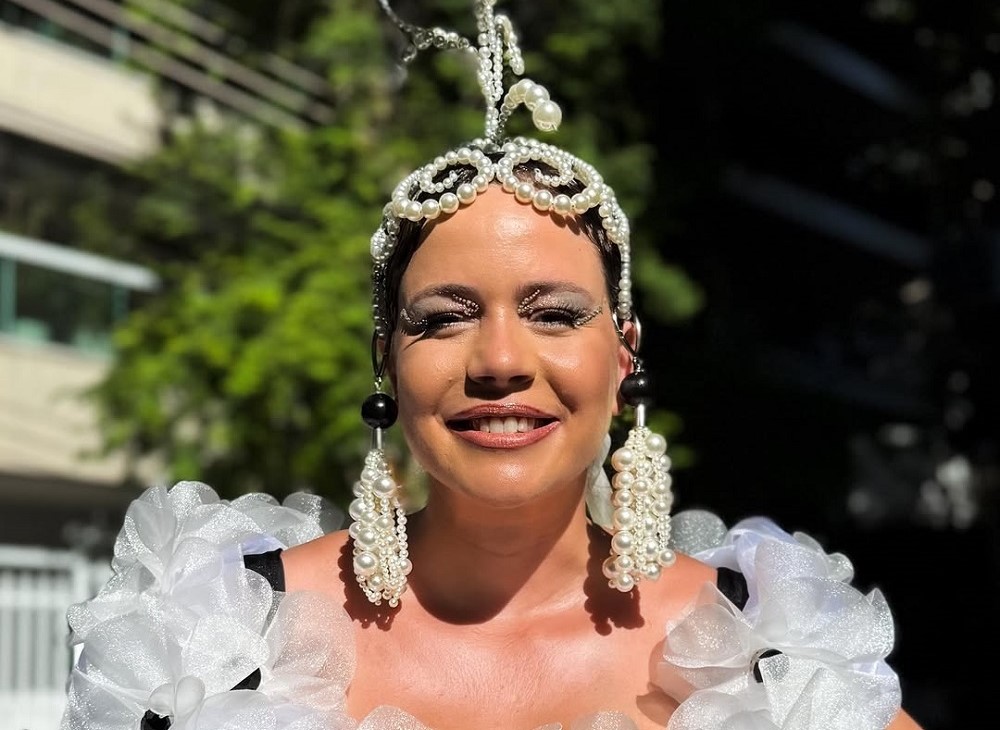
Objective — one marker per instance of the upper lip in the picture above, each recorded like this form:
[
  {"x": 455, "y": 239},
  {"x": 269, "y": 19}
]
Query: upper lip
[{"x": 500, "y": 410}]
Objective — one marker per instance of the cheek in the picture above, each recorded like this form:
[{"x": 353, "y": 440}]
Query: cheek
[
  {"x": 587, "y": 375},
  {"x": 420, "y": 380}
]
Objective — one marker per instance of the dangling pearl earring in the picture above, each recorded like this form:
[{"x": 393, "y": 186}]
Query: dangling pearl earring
[
  {"x": 381, "y": 558},
  {"x": 641, "y": 494}
]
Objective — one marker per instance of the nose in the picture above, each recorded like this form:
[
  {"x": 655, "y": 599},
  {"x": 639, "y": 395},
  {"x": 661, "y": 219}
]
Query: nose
[{"x": 502, "y": 355}]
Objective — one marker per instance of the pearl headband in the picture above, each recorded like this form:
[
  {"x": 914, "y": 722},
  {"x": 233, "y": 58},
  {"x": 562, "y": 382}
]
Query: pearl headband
[{"x": 434, "y": 189}]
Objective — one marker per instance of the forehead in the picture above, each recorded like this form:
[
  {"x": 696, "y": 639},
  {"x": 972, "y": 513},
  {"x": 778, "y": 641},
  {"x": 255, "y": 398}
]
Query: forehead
[{"x": 497, "y": 236}]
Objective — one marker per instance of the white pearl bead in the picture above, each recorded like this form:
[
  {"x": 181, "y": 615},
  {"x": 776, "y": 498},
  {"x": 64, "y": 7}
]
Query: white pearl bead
[
  {"x": 518, "y": 90},
  {"x": 366, "y": 538},
  {"x": 357, "y": 509},
  {"x": 624, "y": 518},
  {"x": 667, "y": 557},
  {"x": 431, "y": 209},
  {"x": 384, "y": 486},
  {"x": 413, "y": 211},
  {"x": 524, "y": 192},
  {"x": 609, "y": 568},
  {"x": 449, "y": 203},
  {"x": 622, "y": 459},
  {"x": 562, "y": 204},
  {"x": 542, "y": 200},
  {"x": 624, "y": 582},
  {"x": 466, "y": 193},
  {"x": 624, "y": 480},
  {"x": 547, "y": 116},
  {"x": 623, "y": 543},
  {"x": 656, "y": 444},
  {"x": 622, "y": 497},
  {"x": 535, "y": 96},
  {"x": 365, "y": 564}
]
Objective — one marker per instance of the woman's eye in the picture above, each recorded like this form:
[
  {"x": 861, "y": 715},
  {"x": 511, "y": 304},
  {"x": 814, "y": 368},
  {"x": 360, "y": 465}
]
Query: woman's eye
[
  {"x": 556, "y": 316},
  {"x": 440, "y": 320}
]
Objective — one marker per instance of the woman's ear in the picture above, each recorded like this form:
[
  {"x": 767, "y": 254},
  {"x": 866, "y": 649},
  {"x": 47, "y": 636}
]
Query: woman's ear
[{"x": 629, "y": 334}]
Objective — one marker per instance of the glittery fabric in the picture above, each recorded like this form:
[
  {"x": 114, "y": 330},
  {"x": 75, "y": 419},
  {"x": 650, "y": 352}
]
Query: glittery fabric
[
  {"x": 182, "y": 621},
  {"x": 807, "y": 651}
]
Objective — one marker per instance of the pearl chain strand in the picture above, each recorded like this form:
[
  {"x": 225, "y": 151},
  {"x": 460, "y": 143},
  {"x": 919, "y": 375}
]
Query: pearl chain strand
[
  {"x": 381, "y": 556},
  {"x": 642, "y": 499}
]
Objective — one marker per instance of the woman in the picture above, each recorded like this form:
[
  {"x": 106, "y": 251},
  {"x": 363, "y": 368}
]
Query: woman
[{"x": 528, "y": 592}]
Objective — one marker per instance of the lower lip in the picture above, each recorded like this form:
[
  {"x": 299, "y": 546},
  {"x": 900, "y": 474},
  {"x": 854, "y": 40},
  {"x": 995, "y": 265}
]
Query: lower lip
[{"x": 514, "y": 440}]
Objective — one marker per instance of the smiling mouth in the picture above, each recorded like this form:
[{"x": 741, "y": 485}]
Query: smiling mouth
[{"x": 507, "y": 424}]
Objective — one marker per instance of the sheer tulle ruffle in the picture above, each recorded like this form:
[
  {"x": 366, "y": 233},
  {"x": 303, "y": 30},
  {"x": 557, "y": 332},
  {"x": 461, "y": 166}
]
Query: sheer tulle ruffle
[
  {"x": 807, "y": 650},
  {"x": 182, "y": 622}
]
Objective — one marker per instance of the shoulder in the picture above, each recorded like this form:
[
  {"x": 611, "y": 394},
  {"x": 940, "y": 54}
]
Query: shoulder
[{"x": 319, "y": 565}]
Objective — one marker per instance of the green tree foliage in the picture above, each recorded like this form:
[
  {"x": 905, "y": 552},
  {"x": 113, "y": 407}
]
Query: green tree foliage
[{"x": 247, "y": 369}]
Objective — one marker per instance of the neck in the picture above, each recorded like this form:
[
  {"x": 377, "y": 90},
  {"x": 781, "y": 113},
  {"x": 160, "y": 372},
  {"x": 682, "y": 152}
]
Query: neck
[{"x": 475, "y": 562}]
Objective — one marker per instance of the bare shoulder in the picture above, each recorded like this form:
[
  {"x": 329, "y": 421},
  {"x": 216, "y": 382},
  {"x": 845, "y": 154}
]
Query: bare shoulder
[
  {"x": 678, "y": 587},
  {"x": 318, "y": 565},
  {"x": 903, "y": 721}
]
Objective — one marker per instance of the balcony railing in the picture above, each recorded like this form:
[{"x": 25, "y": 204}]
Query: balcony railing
[{"x": 184, "y": 49}]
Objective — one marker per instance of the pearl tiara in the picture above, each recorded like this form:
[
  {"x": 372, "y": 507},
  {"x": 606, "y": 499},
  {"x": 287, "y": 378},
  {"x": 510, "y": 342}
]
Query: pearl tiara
[{"x": 436, "y": 188}]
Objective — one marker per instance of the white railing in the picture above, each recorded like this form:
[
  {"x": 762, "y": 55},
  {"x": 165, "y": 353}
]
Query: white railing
[
  {"x": 37, "y": 586},
  {"x": 175, "y": 44}
]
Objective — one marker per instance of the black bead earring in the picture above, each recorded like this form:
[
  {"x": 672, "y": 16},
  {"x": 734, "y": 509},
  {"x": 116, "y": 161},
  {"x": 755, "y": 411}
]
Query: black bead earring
[
  {"x": 381, "y": 557},
  {"x": 641, "y": 494}
]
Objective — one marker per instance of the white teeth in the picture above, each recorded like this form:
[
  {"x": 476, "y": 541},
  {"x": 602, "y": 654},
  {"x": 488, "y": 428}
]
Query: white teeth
[{"x": 510, "y": 424}]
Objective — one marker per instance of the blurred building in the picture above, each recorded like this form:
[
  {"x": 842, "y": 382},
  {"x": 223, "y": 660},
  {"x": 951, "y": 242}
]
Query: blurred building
[{"x": 85, "y": 86}]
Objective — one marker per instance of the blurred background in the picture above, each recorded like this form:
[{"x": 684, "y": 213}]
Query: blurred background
[{"x": 187, "y": 190}]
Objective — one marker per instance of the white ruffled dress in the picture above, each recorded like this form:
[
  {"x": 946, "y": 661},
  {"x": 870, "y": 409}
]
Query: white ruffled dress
[{"x": 184, "y": 636}]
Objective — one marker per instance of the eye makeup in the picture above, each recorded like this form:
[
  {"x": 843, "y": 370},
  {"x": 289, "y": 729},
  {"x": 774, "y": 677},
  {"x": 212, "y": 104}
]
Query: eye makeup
[
  {"x": 434, "y": 312},
  {"x": 554, "y": 306}
]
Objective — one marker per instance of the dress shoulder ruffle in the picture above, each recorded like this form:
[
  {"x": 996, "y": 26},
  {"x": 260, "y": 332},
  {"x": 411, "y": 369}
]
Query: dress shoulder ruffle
[
  {"x": 806, "y": 651},
  {"x": 181, "y": 622}
]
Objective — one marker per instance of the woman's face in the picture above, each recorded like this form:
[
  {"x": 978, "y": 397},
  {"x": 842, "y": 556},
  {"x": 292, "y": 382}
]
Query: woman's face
[{"x": 506, "y": 363}]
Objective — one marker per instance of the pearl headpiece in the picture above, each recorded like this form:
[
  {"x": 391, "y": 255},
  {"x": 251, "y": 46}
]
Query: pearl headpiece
[{"x": 434, "y": 189}]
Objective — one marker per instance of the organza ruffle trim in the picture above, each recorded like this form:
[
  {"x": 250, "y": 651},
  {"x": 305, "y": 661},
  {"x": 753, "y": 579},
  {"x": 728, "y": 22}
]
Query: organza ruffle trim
[{"x": 181, "y": 622}]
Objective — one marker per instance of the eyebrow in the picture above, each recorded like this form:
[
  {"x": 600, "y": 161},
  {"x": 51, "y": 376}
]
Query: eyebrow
[
  {"x": 451, "y": 291},
  {"x": 530, "y": 289},
  {"x": 538, "y": 289}
]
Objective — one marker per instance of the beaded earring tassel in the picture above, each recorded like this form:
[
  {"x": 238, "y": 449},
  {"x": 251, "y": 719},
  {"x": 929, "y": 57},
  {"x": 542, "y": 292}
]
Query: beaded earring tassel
[
  {"x": 381, "y": 558},
  {"x": 641, "y": 495}
]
